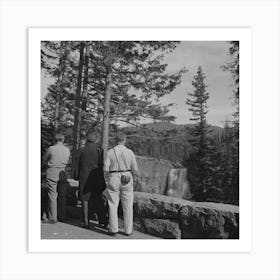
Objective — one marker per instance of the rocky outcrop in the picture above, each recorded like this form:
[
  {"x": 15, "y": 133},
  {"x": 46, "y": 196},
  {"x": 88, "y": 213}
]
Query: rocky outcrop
[
  {"x": 178, "y": 184},
  {"x": 170, "y": 217},
  {"x": 162, "y": 177},
  {"x": 152, "y": 175}
]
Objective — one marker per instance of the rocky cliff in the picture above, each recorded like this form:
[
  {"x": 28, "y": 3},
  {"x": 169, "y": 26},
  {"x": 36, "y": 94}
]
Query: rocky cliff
[
  {"x": 162, "y": 177},
  {"x": 152, "y": 175}
]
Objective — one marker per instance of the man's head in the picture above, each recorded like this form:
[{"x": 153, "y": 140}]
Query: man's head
[
  {"x": 59, "y": 137},
  {"x": 92, "y": 137},
  {"x": 120, "y": 138}
]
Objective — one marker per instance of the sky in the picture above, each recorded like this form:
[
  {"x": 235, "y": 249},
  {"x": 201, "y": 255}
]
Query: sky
[{"x": 210, "y": 55}]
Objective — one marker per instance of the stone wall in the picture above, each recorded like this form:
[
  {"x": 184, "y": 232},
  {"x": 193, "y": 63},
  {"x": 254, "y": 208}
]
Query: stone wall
[
  {"x": 169, "y": 217},
  {"x": 173, "y": 217}
]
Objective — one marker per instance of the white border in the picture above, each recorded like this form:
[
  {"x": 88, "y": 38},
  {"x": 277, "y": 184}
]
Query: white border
[{"x": 244, "y": 244}]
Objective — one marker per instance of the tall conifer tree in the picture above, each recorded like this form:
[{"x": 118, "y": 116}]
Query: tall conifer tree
[
  {"x": 233, "y": 68},
  {"x": 197, "y": 102}
]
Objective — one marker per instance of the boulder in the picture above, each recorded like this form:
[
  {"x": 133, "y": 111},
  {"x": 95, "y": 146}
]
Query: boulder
[
  {"x": 152, "y": 175},
  {"x": 209, "y": 221},
  {"x": 157, "y": 206},
  {"x": 178, "y": 184},
  {"x": 167, "y": 229}
]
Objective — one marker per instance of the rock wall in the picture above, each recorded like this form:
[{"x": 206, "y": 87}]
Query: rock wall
[
  {"x": 169, "y": 217},
  {"x": 174, "y": 218},
  {"x": 162, "y": 177},
  {"x": 152, "y": 175}
]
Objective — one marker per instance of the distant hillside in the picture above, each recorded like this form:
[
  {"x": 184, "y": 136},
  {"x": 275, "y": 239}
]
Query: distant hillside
[
  {"x": 166, "y": 140},
  {"x": 165, "y": 127}
]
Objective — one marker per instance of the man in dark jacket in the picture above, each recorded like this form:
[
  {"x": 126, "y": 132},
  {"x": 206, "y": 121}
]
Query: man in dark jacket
[
  {"x": 76, "y": 156},
  {"x": 91, "y": 181}
]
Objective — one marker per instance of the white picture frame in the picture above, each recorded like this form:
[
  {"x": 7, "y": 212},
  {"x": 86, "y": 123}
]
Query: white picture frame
[{"x": 243, "y": 35}]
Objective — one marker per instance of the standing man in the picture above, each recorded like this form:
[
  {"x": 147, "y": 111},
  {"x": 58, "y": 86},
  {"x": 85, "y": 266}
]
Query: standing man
[
  {"x": 91, "y": 180},
  {"x": 57, "y": 157},
  {"x": 119, "y": 166}
]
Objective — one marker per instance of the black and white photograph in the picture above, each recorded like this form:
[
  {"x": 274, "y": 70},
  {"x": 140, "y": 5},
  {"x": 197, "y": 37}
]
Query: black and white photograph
[{"x": 140, "y": 139}]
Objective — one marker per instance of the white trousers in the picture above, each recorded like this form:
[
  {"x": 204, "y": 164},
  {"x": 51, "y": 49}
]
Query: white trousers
[{"x": 114, "y": 193}]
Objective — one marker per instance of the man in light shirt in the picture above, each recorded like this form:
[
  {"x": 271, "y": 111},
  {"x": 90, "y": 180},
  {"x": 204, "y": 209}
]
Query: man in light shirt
[
  {"x": 57, "y": 157},
  {"x": 120, "y": 161}
]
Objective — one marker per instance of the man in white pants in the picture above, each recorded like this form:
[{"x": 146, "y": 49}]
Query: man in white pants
[{"x": 120, "y": 161}]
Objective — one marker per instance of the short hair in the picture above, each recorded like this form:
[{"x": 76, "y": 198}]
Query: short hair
[
  {"x": 59, "y": 137},
  {"x": 120, "y": 137}
]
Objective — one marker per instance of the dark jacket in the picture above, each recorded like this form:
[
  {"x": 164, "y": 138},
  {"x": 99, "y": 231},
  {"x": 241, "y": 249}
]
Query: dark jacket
[{"x": 90, "y": 171}]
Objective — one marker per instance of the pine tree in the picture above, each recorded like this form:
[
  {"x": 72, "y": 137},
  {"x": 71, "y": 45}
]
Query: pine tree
[
  {"x": 233, "y": 68},
  {"x": 138, "y": 65},
  {"x": 197, "y": 103},
  {"x": 56, "y": 63},
  {"x": 112, "y": 67}
]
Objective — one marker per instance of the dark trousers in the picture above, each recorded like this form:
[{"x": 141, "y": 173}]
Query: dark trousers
[
  {"x": 98, "y": 204},
  {"x": 62, "y": 188},
  {"x": 44, "y": 203}
]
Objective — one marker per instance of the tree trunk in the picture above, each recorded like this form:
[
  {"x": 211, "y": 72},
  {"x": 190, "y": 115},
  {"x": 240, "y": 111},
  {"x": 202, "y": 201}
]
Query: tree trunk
[
  {"x": 85, "y": 88},
  {"x": 78, "y": 99},
  {"x": 106, "y": 114},
  {"x": 60, "y": 88},
  {"x": 85, "y": 81}
]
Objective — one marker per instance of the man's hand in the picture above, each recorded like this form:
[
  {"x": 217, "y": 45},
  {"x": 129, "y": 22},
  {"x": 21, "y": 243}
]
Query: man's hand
[{"x": 106, "y": 177}]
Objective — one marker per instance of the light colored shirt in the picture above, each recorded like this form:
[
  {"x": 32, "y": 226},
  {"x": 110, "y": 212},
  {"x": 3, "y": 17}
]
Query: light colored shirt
[
  {"x": 57, "y": 156},
  {"x": 125, "y": 159}
]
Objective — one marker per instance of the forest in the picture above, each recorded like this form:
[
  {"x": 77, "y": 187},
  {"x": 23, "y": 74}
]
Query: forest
[{"x": 91, "y": 91}]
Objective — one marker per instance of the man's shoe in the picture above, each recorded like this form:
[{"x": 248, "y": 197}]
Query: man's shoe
[
  {"x": 104, "y": 225},
  {"x": 51, "y": 222},
  {"x": 112, "y": 233},
  {"x": 85, "y": 225},
  {"x": 128, "y": 234}
]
